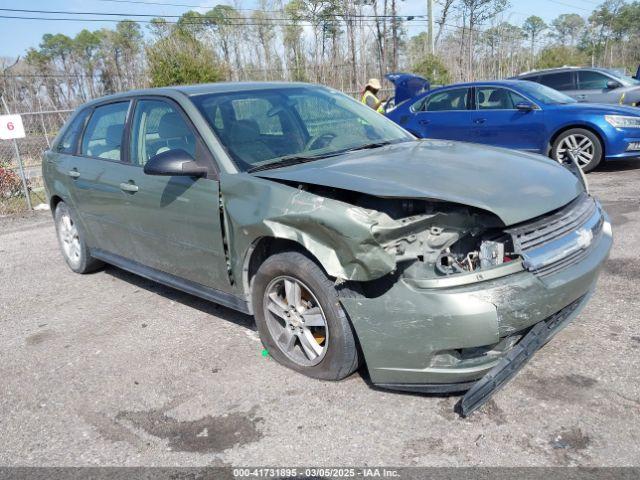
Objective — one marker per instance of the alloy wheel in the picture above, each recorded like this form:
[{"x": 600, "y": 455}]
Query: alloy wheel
[
  {"x": 578, "y": 147},
  {"x": 69, "y": 239},
  {"x": 296, "y": 321}
]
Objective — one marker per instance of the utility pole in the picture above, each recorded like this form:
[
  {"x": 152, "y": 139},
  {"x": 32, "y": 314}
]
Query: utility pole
[{"x": 432, "y": 49}]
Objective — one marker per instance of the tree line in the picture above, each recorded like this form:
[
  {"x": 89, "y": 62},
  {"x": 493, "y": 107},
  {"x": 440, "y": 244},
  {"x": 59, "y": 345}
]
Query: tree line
[{"x": 338, "y": 43}]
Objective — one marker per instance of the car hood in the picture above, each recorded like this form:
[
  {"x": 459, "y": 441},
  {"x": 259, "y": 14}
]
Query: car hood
[
  {"x": 603, "y": 109},
  {"x": 514, "y": 186}
]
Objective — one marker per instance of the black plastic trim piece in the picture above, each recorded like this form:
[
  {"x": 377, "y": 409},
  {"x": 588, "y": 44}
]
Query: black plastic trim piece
[
  {"x": 187, "y": 286},
  {"x": 428, "y": 387},
  {"x": 513, "y": 361}
]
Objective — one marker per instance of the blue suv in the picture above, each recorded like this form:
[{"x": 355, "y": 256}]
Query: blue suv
[{"x": 526, "y": 116}]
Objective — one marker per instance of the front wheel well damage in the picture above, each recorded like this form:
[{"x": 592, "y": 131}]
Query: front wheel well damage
[{"x": 264, "y": 248}]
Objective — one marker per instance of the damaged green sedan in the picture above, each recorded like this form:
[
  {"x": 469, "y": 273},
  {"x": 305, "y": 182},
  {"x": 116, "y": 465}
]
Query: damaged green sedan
[{"x": 435, "y": 263}]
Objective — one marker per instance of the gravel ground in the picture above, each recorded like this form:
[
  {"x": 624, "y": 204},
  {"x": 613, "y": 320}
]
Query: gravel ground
[{"x": 110, "y": 369}]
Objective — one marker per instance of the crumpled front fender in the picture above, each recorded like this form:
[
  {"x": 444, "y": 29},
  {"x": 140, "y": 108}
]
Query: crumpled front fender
[{"x": 340, "y": 236}]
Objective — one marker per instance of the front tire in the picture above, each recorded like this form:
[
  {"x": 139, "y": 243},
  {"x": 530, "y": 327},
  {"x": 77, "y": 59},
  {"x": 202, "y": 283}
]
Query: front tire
[
  {"x": 300, "y": 319},
  {"x": 582, "y": 144},
  {"x": 72, "y": 244}
]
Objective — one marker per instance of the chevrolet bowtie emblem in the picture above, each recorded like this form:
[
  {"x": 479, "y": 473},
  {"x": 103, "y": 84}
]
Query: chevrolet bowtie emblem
[{"x": 584, "y": 237}]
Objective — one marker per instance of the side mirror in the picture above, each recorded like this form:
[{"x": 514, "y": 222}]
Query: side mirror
[
  {"x": 612, "y": 85},
  {"x": 525, "y": 106},
  {"x": 174, "y": 162}
]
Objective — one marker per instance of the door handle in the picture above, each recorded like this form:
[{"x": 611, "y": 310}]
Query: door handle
[
  {"x": 479, "y": 121},
  {"x": 128, "y": 187},
  {"x": 73, "y": 173},
  {"x": 424, "y": 122}
]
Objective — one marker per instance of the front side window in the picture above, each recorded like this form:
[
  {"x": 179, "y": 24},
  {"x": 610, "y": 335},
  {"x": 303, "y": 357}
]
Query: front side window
[
  {"x": 262, "y": 127},
  {"x": 457, "y": 99},
  {"x": 558, "y": 81},
  {"x": 494, "y": 98},
  {"x": 158, "y": 127},
  {"x": 69, "y": 139},
  {"x": 592, "y": 81},
  {"x": 104, "y": 133}
]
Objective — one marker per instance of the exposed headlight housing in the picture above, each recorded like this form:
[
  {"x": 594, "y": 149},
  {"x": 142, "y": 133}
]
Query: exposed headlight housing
[{"x": 622, "y": 121}]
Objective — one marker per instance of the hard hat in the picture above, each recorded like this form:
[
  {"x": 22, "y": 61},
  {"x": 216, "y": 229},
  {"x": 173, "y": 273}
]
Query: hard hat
[{"x": 374, "y": 83}]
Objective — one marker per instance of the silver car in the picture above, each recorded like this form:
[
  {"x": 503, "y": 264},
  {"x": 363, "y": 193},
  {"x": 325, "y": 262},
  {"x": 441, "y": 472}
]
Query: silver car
[{"x": 592, "y": 85}]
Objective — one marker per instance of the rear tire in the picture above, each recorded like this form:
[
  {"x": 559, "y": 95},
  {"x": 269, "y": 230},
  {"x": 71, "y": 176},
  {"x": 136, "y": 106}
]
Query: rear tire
[
  {"x": 300, "y": 319},
  {"x": 72, "y": 243},
  {"x": 585, "y": 146}
]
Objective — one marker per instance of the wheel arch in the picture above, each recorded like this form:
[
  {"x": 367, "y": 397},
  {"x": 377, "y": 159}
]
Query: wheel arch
[
  {"x": 263, "y": 248},
  {"x": 53, "y": 203},
  {"x": 583, "y": 126}
]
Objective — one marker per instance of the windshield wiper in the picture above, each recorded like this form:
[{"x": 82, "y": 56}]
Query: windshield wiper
[
  {"x": 287, "y": 161},
  {"x": 297, "y": 159},
  {"x": 367, "y": 146}
]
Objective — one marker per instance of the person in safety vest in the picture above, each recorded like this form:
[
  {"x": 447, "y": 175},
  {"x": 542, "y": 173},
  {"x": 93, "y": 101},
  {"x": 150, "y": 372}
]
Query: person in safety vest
[{"x": 369, "y": 97}]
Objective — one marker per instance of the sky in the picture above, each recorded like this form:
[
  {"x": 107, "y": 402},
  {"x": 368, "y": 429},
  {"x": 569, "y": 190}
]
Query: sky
[{"x": 16, "y": 36}]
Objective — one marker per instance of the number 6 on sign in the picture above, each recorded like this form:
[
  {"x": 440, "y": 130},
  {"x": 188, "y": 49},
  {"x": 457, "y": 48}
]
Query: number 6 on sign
[{"x": 11, "y": 127}]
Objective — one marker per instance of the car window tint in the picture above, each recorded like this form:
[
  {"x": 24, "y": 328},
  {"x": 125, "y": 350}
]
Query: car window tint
[
  {"x": 558, "y": 81},
  {"x": 592, "y": 80},
  {"x": 69, "y": 139},
  {"x": 103, "y": 136},
  {"x": 494, "y": 98},
  {"x": 257, "y": 111},
  {"x": 457, "y": 99},
  {"x": 158, "y": 127}
]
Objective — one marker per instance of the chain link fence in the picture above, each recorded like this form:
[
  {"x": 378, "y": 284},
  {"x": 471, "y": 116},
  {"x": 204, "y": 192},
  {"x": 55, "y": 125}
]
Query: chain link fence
[{"x": 21, "y": 161}]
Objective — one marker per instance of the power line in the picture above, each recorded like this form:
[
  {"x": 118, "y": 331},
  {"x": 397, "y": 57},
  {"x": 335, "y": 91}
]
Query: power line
[
  {"x": 206, "y": 17},
  {"x": 558, "y": 2},
  {"x": 246, "y": 22}
]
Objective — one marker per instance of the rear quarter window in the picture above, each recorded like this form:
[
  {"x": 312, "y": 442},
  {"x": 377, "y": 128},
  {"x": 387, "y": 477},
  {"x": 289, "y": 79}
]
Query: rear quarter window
[{"x": 69, "y": 139}]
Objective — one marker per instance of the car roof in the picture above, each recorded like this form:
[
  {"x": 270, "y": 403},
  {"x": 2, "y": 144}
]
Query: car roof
[
  {"x": 201, "y": 89},
  {"x": 484, "y": 83},
  {"x": 563, "y": 69}
]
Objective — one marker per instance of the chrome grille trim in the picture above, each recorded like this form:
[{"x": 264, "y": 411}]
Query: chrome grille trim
[
  {"x": 564, "y": 238},
  {"x": 539, "y": 232}
]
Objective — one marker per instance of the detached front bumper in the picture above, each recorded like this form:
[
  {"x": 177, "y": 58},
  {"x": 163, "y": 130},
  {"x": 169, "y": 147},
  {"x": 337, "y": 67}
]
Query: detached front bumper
[{"x": 445, "y": 339}]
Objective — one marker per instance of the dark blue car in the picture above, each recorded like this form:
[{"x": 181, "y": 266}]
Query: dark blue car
[{"x": 525, "y": 116}]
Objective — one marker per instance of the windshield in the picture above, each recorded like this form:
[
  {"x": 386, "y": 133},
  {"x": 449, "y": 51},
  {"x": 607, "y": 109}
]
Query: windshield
[
  {"x": 261, "y": 127},
  {"x": 627, "y": 80},
  {"x": 543, "y": 94}
]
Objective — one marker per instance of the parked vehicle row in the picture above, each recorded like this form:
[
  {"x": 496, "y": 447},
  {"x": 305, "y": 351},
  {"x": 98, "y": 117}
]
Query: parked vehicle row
[
  {"x": 526, "y": 116},
  {"x": 593, "y": 85},
  {"x": 441, "y": 265}
]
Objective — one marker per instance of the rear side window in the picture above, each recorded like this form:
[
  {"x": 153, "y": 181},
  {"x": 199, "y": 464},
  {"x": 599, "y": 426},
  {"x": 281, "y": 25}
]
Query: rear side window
[
  {"x": 69, "y": 139},
  {"x": 558, "y": 81},
  {"x": 103, "y": 136},
  {"x": 592, "y": 80},
  {"x": 457, "y": 99}
]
